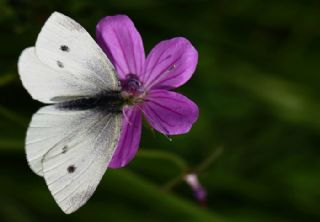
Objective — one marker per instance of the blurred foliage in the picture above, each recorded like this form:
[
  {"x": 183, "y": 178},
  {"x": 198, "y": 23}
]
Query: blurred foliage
[{"x": 257, "y": 86}]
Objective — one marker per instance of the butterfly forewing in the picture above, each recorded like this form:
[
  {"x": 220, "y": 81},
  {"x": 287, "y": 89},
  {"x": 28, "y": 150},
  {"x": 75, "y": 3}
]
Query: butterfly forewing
[
  {"x": 65, "y": 64},
  {"x": 46, "y": 84},
  {"x": 65, "y": 46}
]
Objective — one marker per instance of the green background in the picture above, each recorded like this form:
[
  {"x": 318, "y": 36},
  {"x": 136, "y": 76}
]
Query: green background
[{"x": 257, "y": 138}]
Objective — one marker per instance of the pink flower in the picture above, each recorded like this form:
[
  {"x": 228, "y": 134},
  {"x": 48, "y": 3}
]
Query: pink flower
[
  {"x": 147, "y": 81},
  {"x": 199, "y": 191}
]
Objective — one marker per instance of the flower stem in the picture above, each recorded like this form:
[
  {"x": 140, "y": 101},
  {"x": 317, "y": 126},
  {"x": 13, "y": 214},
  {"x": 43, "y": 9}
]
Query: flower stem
[
  {"x": 173, "y": 182},
  {"x": 157, "y": 154},
  {"x": 5, "y": 112},
  {"x": 6, "y": 79},
  {"x": 215, "y": 154}
]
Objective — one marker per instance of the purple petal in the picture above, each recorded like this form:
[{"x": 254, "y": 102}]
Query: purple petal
[
  {"x": 129, "y": 138},
  {"x": 169, "y": 112},
  {"x": 170, "y": 64},
  {"x": 122, "y": 43}
]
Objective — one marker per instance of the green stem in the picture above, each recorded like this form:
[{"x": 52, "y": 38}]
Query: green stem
[
  {"x": 10, "y": 145},
  {"x": 13, "y": 116},
  {"x": 157, "y": 154},
  {"x": 173, "y": 182},
  {"x": 199, "y": 169},
  {"x": 5, "y": 79},
  {"x": 215, "y": 154}
]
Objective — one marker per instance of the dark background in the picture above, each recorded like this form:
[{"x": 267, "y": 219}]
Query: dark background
[{"x": 257, "y": 86}]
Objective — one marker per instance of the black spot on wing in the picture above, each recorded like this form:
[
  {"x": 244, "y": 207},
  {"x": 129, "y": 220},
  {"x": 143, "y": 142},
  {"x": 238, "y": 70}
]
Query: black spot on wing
[
  {"x": 64, "y": 48},
  {"x": 64, "y": 149},
  {"x": 71, "y": 169},
  {"x": 60, "y": 64}
]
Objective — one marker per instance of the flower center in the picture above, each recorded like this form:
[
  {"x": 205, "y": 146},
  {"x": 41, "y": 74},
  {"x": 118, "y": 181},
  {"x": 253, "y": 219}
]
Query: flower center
[
  {"x": 131, "y": 84},
  {"x": 132, "y": 89}
]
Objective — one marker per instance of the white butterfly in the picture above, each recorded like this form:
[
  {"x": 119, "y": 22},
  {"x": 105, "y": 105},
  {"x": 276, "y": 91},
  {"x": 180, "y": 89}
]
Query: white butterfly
[{"x": 71, "y": 141}]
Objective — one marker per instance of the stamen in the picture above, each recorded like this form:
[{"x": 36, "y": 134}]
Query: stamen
[
  {"x": 126, "y": 117},
  {"x": 132, "y": 84}
]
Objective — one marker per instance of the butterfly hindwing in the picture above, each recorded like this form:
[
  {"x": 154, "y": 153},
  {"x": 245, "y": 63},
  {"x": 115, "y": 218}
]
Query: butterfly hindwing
[
  {"x": 48, "y": 127},
  {"x": 71, "y": 150}
]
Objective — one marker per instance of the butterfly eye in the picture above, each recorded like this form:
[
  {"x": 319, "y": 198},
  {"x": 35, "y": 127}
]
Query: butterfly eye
[
  {"x": 71, "y": 169},
  {"x": 65, "y": 48}
]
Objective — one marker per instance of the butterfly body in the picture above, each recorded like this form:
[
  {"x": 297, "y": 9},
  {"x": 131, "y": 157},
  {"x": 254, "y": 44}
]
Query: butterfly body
[{"x": 108, "y": 101}]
